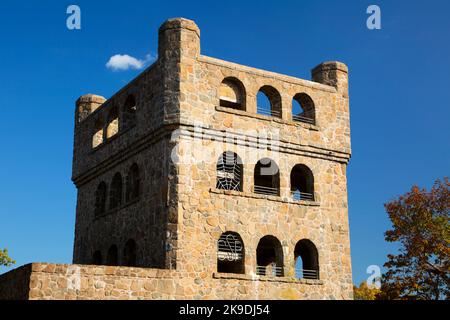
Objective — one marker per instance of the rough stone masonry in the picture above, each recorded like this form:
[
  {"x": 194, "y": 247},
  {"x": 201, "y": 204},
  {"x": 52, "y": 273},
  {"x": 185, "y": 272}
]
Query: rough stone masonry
[{"x": 190, "y": 187}]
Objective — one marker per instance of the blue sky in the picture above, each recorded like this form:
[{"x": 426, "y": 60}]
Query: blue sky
[{"x": 399, "y": 97}]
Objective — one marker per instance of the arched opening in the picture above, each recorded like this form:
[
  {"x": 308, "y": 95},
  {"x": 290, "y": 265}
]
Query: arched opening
[
  {"x": 112, "y": 256},
  {"x": 306, "y": 260},
  {"x": 97, "y": 137},
  {"x": 229, "y": 172},
  {"x": 269, "y": 257},
  {"x": 232, "y": 94},
  {"x": 133, "y": 183},
  {"x": 113, "y": 123},
  {"x": 267, "y": 177},
  {"x": 115, "y": 195},
  {"x": 230, "y": 253},
  {"x": 100, "y": 199},
  {"x": 302, "y": 183},
  {"x": 303, "y": 109},
  {"x": 268, "y": 102},
  {"x": 130, "y": 253},
  {"x": 129, "y": 112},
  {"x": 97, "y": 258}
]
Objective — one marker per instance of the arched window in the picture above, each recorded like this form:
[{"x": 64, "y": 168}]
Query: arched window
[
  {"x": 230, "y": 253},
  {"x": 306, "y": 260},
  {"x": 129, "y": 253},
  {"x": 229, "y": 172},
  {"x": 302, "y": 183},
  {"x": 100, "y": 199},
  {"x": 267, "y": 177},
  {"x": 232, "y": 94},
  {"x": 115, "y": 195},
  {"x": 97, "y": 137},
  {"x": 97, "y": 258},
  {"x": 268, "y": 102},
  {"x": 112, "y": 257},
  {"x": 129, "y": 112},
  {"x": 133, "y": 183},
  {"x": 113, "y": 123},
  {"x": 303, "y": 109},
  {"x": 269, "y": 257}
]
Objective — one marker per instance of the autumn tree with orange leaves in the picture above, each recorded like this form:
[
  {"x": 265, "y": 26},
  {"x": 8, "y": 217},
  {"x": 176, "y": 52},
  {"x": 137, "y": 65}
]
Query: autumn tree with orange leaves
[{"x": 420, "y": 222}]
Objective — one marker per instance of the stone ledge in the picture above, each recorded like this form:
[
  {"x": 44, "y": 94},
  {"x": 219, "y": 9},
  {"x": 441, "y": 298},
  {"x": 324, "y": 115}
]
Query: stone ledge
[
  {"x": 102, "y": 270},
  {"x": 118, "y": 209},
  {"x": 235, "y": 276},
  {"x": 251, "y": 141},
  {"x": 267, "y": 118},
  {"x": 260, "y": 196},
  {"x": 137, "y": 272}
]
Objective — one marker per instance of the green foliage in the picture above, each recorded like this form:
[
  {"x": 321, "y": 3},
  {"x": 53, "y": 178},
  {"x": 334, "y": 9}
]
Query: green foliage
[
  {"x": 5, "y": 260},
  {"x": 420, "y": 222}
]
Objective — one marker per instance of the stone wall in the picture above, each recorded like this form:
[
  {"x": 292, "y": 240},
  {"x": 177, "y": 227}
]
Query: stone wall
[
  {"x": 144, "y": 142},
  {"x": 148, "y": 94},
  {"x": 56, "y": 281},
  {"x": 206, "y": 212},
  {"x": 143, "y": 220}
]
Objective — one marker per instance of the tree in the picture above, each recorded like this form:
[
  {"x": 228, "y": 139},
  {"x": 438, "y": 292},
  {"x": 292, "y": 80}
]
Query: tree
[
  {"x": 365, "y": 292},
  {"x": 5, "y": 260},
  {"x": 420, "y": 222}
]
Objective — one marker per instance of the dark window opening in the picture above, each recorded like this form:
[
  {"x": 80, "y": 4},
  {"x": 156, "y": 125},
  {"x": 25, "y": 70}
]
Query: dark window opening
[
  {"x": 229, "y": 172},
  {"x": 303, "y": 109},
  {"x": 112, "y": 256},
  {"x": 302, "y": 183},
  {"x": 269, "y": 257},
  {"x": 230, "y": 253},
  {"x": 133, "y": 183},
  {"x": 232, "y": 94},
  {"x": 129, "y": 253},
  {"x": 100, "y": 199},
  {"x": 115, "y": 196},
  {"x": 306, "y": 260},
  {"x": 268, "y": 102},
  {"x": 267, "y": 177}
]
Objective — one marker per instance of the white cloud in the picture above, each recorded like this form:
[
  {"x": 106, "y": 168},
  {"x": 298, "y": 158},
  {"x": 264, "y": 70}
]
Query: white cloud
[{"x": 122, "y": 62}]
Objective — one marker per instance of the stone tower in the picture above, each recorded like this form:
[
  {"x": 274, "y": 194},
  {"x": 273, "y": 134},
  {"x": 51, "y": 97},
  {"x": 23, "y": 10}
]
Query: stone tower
[{"x": 187, "y": 171}]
